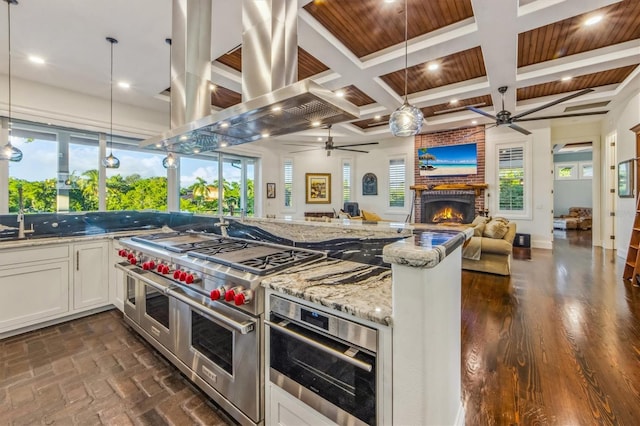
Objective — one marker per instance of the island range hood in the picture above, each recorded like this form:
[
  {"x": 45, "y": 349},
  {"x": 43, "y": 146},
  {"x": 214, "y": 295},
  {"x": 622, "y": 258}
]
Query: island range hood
[{"x": 274, "y": 104}]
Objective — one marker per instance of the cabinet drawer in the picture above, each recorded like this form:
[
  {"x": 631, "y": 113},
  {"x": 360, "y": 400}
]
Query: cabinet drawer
[{"x": 33, "y": 254}]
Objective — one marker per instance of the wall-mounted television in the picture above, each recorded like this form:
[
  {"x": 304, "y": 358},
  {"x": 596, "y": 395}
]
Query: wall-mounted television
[{"x": 448, "y": 160}]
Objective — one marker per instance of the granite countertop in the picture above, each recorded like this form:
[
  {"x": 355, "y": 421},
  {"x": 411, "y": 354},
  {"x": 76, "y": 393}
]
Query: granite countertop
[
  {"x": 354, "y": 288},
  {"x": 41, "y": 241},
  {"x": 427, "y": 248}
]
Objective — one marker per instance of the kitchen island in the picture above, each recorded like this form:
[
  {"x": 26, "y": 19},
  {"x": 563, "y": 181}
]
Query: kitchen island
[{"x": 415, "y": 308}]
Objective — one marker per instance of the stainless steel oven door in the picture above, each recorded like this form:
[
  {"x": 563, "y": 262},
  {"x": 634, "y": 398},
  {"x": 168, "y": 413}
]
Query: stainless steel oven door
[
  {"x": 131, "y": 291},
  {"x": 149, "y": 304},
  {"x": 222, "y": 345}
]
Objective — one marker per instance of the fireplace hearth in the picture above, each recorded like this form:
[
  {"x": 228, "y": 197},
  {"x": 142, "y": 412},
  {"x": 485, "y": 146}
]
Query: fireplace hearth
[{"x": 450, "y": 206}]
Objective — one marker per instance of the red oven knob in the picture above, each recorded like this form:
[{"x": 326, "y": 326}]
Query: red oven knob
[
  {"x": 176, "y": 274},
  {"x": 122, "y": 253},
  {"x": 217, "y": 293},
  {"x": 230, "y": 295},
  {"x": 183, "y": 276},
  {"x": 145, "y": 266},
  {"x": 152, "y": 264},
  {"x": 133, "y": 260},
  {"x": 242, "y": 298},
  {"x": 189, "y": 279},
  {"x": 160, "y": 268},
  {"x": 166, "y": 270}
]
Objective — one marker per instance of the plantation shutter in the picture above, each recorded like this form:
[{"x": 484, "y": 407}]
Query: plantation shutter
[
  {"x": 346, "y": 181},
  {"x": 396, "y": 182},
  {"x": 511, "y": 178},
  {"x": 288, "y": 182}
]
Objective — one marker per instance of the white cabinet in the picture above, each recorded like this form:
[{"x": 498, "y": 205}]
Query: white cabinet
[
  {"x": 90, "y": 275},
  {"x": 116, "y": 277},
  {"x": 34, "y": 286}
]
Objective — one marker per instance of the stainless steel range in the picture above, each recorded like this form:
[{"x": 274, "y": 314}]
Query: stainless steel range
[{"x": 197, "y": 298}]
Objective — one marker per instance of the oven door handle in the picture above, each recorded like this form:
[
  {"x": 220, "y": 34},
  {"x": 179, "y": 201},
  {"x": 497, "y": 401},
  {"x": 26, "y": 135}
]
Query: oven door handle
[
  {"x": 353, "y": 361},
  {"x": 244, "y": 327},
  {"x": 135, "y": 271}
]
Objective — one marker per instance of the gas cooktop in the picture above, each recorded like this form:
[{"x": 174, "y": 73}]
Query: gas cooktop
[{"x": 255, "y": 257}]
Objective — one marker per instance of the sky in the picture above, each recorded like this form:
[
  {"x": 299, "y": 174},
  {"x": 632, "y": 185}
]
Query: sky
[{"x": 39, "y": 162}]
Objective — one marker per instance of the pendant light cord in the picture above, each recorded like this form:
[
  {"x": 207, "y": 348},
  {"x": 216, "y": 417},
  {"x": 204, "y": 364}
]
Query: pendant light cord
[
  {"x": 9, "y": 49},
  {"x": 168, "y": 41},
  {"x": 406, "y": 51},
  {"x": 111, "y": 113}
]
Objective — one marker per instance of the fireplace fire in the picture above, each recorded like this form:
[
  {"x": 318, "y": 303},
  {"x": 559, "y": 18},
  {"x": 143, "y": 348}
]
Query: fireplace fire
[
  {"x": 447, "y": 214},
  {"x": 442, "y": 206}
]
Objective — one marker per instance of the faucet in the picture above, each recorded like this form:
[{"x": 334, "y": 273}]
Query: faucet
[{"x": 21, "y": 230}]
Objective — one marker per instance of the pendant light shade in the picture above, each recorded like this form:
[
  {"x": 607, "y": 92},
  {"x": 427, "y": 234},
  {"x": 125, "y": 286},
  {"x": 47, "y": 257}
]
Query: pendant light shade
[
  {"x": 406, "y": 120},
  {"x": 10, "y": 152},
  {"x": 110, "y": 161},
  {"x": 169, "y": 162}
]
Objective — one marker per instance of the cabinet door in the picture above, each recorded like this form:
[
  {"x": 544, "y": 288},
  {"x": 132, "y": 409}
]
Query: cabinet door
[
  {"x": 116, "y": 277},
  {"x": 32, "y": 293},
  {"x": 90, "y": 275},
  {"x": 285, "y": 410}
]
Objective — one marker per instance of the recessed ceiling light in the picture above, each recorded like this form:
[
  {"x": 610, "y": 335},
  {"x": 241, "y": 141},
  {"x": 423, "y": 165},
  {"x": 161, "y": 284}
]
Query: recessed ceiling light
[
  {"x": 566, "y": 78},
  {"x": 319, "y": 139},
  {"x": 212, "y": 86},
  {"x": 265, "y": 135},
  {"x": 223, "y": 144},
  {"x": 184, "y": 137},
  {"x": 224, "y": 125},
  {"x": 276, "y": 108},
  {"x": 389, "y": 1},
  {"x": 340, "y": 93},
  {"x": 123, "y": 85},
  {"x": 36, "y": 60},
  {"x": 377, "y": 117},
  {"x": 453, "y": 101},
  {"x": 196, "y": 150},
  {"x": 315, "y": 123},
  {"x": 433, "y": 66},
  {"x": 593, "y": 20},
  {"x": 474, "y": 121}
]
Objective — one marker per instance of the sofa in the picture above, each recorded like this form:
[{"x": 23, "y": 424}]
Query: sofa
[
  {"x": 490, "y": 249},
  {"x": 578, "y": 218}
]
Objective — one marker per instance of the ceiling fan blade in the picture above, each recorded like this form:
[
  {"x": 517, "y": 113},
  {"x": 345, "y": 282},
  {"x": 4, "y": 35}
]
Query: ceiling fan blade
[
  {"x": 352, "y": 150},
  {"x": 577, "y": 114},
  {"x": 475, "y": 133},
  {"x": 305, "y": 150},
  {"x": 358, "y": 144},
  {"x": 299, "y": 144},
  {"x": 519, "y": 129},
  {"x": 550, "y": 104},
  {"x": 481, "y": 112}
]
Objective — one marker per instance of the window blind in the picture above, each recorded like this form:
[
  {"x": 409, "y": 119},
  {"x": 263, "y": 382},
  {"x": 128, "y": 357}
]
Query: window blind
[
  {"x": 511, "y": 178},
  {"x": 288, "y": 182},
  {"x": 396, "y": 182}
]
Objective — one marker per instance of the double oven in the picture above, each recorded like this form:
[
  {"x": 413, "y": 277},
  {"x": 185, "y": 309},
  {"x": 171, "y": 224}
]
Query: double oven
[{"x": 205, "y": 314}]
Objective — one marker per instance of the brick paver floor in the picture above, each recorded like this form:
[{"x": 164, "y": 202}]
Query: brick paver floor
[{"x": 95, "y": 371}]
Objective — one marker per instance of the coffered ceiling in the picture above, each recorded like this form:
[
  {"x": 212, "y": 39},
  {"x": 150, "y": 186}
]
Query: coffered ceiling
[{"x": 357, "y": 46}]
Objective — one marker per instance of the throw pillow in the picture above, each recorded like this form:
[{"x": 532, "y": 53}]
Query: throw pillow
[
  {"x": 370, "y": 216},
  {"x": 478, "y": 230},
  {"x": 496, "y": 228},
  {"x": 478, "y": 220}
]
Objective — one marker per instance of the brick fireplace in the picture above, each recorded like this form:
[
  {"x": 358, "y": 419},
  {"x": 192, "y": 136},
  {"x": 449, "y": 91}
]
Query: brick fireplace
[{"x": 450, "y": 137}]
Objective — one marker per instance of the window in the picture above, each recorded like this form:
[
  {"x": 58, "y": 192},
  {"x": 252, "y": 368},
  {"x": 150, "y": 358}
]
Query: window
[
  {"x": 288, "y": 182},
  {"x": 83, "y": 174},
  {"x": 396, "y": 182},
  {"x": 199, "y": 189},
  {"x": 566, "y": 171},
  {"x": 140, "y": 182},
  {"x": 346, "y": 181},
  {"x": 511, "y": 179},
  {"x": 586, "y": 170}
]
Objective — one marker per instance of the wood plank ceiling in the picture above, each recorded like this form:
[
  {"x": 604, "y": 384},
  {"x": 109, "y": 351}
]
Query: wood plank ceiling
[{"x": 373, "y": 32}]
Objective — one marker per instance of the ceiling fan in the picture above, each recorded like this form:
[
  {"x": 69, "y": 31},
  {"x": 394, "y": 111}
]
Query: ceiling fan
[
  {"x": 504, "y": 118},
  {"x": 329, "y": 146}
]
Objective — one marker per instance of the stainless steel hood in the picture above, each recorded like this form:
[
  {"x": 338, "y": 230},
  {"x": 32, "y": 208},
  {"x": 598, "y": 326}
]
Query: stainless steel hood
[
  {"x": 273, "y": 105},
  {"x": 300, "y": 106}
]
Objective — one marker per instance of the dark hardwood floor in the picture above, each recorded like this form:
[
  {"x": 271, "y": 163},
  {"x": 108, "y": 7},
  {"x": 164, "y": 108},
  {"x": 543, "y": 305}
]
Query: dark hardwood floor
[{"x": 556, "y": 343}]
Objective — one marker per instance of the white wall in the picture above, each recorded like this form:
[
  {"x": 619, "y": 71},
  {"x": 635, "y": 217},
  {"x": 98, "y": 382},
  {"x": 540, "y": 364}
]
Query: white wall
[
  {"x": 317, "y": 161},
  {"x": 620, "y": 121},
  {"x": 538, "y": 218}
]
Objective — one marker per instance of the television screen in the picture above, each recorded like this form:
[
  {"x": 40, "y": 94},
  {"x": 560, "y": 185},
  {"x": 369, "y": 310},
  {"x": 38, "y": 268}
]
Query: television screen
[{"x": 449, "y": 160}]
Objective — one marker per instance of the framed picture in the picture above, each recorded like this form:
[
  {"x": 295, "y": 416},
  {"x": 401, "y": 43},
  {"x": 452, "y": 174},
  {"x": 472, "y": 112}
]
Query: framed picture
[
  {"x": 271, "y": 190},
  {"x": 369, "y": 184},
  {"x": 318, "y": 188},
  {"x": 626, "y": 177}
]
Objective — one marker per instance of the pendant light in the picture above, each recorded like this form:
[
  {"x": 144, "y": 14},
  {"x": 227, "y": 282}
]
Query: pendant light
[
  {"x": 10, "y": 152},
  {"x": 111, "y": 162},
  {"x": 406, "y": 120},
  {"x": 169, "y": 162}
]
